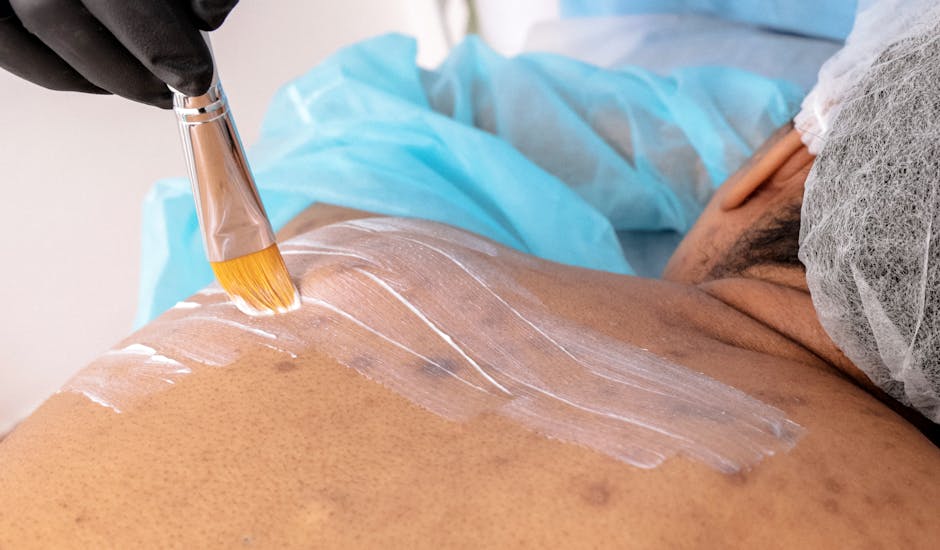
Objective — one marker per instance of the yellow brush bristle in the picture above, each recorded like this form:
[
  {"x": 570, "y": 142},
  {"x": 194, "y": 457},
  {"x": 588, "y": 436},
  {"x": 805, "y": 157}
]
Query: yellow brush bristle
[{"x": 258, "y": 282}]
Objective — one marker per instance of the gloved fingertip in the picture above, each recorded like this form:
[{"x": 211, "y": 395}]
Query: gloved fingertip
[
  {"x": 190, "y": 75},
  {"x": 194, "y": 86},
  {"x": 211, "y": 23},
  {"x": 212, "y": 13}
]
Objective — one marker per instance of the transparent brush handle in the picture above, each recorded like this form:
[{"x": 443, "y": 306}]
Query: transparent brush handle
[{"x": 230, "y": 211}]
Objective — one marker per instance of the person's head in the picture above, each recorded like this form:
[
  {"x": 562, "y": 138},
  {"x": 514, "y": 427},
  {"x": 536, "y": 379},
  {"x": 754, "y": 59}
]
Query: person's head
[
  {"x": 858, "y": 227},
  {"x": 871, "y": 224}
]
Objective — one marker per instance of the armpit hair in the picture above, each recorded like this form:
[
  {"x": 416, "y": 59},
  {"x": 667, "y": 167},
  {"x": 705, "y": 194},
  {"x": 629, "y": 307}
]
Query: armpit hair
[{"x": 773, "y": 241}]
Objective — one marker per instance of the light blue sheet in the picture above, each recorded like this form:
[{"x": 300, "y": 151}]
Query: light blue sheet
[
  {"x": 541, "y": 153},
  {"x": 831, "y": 19}
]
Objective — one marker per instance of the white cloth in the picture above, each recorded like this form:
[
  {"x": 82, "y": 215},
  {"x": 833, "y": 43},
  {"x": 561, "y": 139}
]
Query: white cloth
[{"x": 665, "y": 42}]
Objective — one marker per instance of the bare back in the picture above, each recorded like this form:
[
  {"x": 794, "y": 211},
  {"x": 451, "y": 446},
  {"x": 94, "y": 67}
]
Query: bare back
[{"x": 361, "y": 425}]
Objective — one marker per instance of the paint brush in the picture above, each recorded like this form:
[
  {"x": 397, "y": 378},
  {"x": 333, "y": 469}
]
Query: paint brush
[{"x": 237, "y": 234}]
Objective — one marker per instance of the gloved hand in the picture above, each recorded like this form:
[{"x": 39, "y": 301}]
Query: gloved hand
[{"x": 132, "y": 48}]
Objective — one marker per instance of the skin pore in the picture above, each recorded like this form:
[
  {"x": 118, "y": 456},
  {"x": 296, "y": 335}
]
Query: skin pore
[{"x": 269, "y": 451}]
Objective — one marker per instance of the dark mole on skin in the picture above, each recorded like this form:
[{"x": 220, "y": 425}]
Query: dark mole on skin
[
  {"x": 609, "y": 391},
  {"x": 284, "y": 366},
  {"x": 831, "y": 506},
  {"x": 737, "y": 478},
  {"x": 833, "y": 485},
  {"x": 596, "y": 494},
  {"x": 440, "y": 367}
]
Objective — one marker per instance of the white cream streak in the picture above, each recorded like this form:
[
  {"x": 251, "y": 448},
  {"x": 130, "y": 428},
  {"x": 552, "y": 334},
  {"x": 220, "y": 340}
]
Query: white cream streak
[
  {"x": 121, "y": 375},
  {"x": 443, "y": 335},
  {"x": 236, "y": 324},
  {"x": 443, "y": 370},
  {"x": 212, "y": 290},
  {"x": 420, "y": 308}
]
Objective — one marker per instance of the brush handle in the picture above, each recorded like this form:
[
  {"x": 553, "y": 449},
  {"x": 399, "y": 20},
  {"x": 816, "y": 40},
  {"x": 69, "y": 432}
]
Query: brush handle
[{"x": 230, "y": 211}]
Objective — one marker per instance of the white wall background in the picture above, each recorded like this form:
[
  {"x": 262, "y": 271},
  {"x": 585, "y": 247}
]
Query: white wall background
[{"x": 75, "y": 169}]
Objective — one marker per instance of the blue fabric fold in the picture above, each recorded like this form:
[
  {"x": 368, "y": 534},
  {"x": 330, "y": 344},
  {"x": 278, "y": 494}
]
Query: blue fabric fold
[
  {"x": 830, "y": 19},
  {"x": 541, "y": 153}
]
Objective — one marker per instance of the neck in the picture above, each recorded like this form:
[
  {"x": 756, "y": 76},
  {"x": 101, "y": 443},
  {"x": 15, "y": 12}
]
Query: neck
[
  {"x": 786, "y": 311},
  {"x": 783, "y": 306}
]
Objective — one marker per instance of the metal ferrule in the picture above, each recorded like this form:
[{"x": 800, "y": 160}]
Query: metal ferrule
[{"x": 231, "y": 215}]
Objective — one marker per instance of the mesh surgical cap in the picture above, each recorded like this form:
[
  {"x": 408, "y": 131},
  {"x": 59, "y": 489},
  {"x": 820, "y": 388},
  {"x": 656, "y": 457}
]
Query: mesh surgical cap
[{"x": 870, "y": 236}]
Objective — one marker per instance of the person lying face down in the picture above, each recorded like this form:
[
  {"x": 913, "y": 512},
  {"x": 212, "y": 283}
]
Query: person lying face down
[{"x": 437, "y": 389}]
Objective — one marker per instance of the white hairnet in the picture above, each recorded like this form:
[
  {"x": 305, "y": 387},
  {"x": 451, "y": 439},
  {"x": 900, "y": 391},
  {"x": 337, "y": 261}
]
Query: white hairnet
[
  {"x": 878, "y": 24},
  {"x": 870, "y": 236}
]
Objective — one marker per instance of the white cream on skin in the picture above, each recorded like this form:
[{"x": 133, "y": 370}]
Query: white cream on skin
[
  {"x": 120, "y": 376},
  {"x": 419, "y": 308}
]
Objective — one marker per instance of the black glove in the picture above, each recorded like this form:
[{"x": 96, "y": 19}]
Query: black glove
[{"x": 132, "y": 48}]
